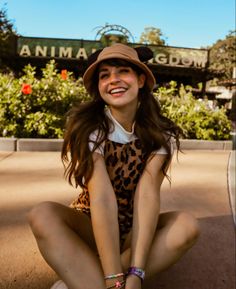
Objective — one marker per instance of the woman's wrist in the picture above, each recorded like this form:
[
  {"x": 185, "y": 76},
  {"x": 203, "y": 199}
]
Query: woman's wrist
[
  {"x": 115, "y": 281},
  {"x": 133, "y": 282},
  {"x": 138, "y": 272}
]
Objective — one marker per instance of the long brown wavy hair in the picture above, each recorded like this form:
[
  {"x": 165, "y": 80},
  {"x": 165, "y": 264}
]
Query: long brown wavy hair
[{"x": 152, "y": 128}]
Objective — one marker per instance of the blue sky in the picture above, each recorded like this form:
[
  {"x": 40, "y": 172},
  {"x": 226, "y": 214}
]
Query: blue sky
[{"x": 185, "y": 23}]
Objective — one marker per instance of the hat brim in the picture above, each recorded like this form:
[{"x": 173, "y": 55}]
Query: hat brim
[{"x": 89, "y": 73}]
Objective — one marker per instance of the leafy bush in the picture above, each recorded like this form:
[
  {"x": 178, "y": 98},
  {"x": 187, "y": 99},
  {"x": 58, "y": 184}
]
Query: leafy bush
[
  {"x": 33, "y": 107},
  {"x": 196, "y": 119}
]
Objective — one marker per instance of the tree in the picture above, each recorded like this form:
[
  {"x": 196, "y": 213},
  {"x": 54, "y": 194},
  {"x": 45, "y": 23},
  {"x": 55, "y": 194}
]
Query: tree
[
  {"x": 7, "y": 34},
  {"x": 152, "y": 35},
  {"x": 223, "y": 57}
]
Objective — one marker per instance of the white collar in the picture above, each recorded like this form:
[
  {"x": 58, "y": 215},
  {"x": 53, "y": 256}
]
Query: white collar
[{"x": 119, "y": 134}]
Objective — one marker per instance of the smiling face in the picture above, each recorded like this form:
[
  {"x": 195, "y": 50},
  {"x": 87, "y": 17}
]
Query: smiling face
[{"x": 119, "y": 85}]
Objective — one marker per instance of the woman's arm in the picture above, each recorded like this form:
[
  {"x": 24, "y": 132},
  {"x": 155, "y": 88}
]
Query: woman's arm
[
  {"x": 104, "y": 215},
  {"x": 146, "y": 212}
]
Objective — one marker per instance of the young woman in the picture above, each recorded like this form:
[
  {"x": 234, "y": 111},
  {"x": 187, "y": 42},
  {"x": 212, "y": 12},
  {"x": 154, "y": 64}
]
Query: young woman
[{"x": 120, "y": 146}]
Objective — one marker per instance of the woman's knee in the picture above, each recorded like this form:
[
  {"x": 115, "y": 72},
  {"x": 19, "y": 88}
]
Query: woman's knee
[
  {"x": 42, "y": 217},
  {"x": 186, "y": 230}
]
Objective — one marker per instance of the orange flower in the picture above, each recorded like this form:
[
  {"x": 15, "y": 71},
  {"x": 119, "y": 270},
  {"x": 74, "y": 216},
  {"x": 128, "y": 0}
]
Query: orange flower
[
  {"x": 26, "y": 88},
  {"x": 64, "y": 74}
]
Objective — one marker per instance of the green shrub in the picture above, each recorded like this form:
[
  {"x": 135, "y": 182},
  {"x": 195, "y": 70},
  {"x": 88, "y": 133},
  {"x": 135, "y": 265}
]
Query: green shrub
[
  {"x": 32, "y": 107},
  {"x": 196, "y": 119},
  {"x": 36, "y": 107}
]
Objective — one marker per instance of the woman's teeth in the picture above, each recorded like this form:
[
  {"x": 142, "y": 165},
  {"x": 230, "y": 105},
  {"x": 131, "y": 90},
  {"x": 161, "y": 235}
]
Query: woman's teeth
[{"x": 117, "y": 90}]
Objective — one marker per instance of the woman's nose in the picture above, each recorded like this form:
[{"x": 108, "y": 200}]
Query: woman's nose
[{"x": 114, "y": 77}]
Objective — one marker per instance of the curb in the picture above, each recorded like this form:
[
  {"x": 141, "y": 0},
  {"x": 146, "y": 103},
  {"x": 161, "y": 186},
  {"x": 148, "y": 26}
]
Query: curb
[
  {"x": 232, "y": 183},
  {"x": 30, "y": 144},
  {"x": 42, "y": 145},
  {"x": 191, "y": 144},
  {"x": 34, "y": 144},
  {"x": 8, "y": 144}
]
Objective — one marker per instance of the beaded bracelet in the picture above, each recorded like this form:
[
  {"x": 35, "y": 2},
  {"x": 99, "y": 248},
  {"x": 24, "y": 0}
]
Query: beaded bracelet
[
  {"x": 118, "y": 284},
  {"x": 112, "y": 276},
  {"x": 137, "y": 272}
]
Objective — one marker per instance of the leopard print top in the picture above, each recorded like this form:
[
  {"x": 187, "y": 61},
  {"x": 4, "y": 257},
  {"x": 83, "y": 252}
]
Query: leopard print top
[{"x": 125, "y": 164}]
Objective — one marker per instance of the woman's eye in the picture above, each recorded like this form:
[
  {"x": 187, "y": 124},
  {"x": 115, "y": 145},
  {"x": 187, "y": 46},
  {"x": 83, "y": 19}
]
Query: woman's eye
[
  {"x": 125, "y": 70},
  {"x": 102, "y": 75}
]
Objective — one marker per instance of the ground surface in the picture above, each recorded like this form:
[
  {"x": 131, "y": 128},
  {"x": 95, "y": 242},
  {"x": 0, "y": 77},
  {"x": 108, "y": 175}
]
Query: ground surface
[{"x": 199, "y": 185}]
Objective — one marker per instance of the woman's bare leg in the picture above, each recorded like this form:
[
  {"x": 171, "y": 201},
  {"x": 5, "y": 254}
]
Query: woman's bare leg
[
  {"x": 66, "y": 242},
  {"x": 176, "y": 233}
]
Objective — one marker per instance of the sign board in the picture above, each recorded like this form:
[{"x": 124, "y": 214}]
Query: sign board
[
  {"x": 81, "y": 49},
  {"x": 179, "y": 57}
]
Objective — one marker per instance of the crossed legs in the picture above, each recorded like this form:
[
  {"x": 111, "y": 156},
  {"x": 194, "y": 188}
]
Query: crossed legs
[{"x": 65, "y": 240}]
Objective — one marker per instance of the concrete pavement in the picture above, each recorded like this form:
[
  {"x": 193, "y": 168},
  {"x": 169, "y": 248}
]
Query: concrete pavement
[{"x": 199, "y": 185}]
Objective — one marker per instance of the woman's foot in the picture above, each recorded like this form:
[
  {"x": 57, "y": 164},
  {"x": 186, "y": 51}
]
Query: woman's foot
[{"x": 59, "y": 285}]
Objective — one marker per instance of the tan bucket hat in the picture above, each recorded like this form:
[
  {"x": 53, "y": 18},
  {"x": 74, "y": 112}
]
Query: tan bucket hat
[{"x": 120, "y": 51}]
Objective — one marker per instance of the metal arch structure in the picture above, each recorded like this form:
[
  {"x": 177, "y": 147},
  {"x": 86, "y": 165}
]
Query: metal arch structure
[{"x": 114, "y": 27}]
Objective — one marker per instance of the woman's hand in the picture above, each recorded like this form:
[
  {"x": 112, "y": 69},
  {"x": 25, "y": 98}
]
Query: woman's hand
[{"x": 133, "y": 282}]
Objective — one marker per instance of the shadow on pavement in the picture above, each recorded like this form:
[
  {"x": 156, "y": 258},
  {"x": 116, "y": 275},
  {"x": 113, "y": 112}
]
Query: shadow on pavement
[{"x": 210, "y": 264}]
